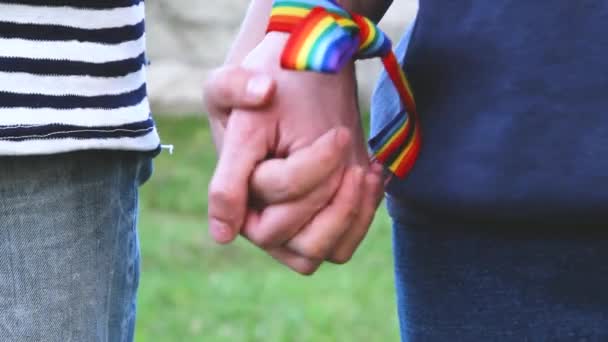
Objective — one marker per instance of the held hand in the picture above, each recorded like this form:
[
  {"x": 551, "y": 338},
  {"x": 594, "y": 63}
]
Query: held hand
[
  {"x": 306, "y": 107},
  {"x": 335, "y": 232}
]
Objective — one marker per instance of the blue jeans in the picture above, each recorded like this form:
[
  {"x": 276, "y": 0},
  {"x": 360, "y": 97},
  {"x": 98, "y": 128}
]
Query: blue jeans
[
  {"x": 69, "y": 253},
  {"x": 490, "y": 282}
]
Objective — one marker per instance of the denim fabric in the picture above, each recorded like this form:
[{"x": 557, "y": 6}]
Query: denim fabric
[
  {"x": 500, "y": 283},
  {"x": 69, "y": 253}
]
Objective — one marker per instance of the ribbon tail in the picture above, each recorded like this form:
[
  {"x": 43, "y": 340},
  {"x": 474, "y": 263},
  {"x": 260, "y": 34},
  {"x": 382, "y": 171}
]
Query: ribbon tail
[{"x": 399, "y": 145}]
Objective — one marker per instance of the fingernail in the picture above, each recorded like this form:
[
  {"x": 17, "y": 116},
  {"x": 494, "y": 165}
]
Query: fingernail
[
  {"x": 220, "y": 231},
  {"x": 258, "y": 86}
]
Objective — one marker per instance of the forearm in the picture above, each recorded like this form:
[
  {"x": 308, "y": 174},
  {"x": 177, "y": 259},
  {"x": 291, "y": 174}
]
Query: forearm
[
  {"x": 253, "y": 28},
  {"x": 252, "y": 31}
]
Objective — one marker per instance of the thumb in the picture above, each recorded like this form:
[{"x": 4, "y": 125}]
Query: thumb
[
  {"x": 236, "y": 87},
  {"x": 245, "y": 144}
]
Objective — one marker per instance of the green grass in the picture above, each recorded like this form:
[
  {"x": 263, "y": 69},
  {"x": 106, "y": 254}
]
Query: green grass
[{"x": 193, "y": 290}]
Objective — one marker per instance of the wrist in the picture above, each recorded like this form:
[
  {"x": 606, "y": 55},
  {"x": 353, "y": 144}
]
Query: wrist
[
  {"x": 349, "y": 5},
  {"x": 373, "y": 9}
]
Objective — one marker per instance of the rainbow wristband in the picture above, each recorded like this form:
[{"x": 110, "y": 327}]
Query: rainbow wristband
[{"x": 324, "y": 37}]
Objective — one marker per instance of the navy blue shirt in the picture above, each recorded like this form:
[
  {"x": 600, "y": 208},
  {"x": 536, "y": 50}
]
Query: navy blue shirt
[{"x": 513, "y": 99}]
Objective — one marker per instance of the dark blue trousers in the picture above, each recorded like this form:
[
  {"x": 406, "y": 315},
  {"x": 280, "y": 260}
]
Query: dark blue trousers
[{"x": 490, "y": 282}]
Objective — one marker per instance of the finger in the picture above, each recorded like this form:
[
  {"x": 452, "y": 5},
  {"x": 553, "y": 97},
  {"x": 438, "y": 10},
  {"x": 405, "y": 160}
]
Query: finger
[
  {"x": 292, "y": 260},
  {"x": 280, "y": 222},
  {"x": 274, "y": 225},
  {"x": 235, "y": 87},
  {"x": 245, "y": 144},
  {"x": 374, "y": 192},
  {"x": 319, "y": 237},
  {"x": 282, "y": 180},
  {"x": 297, "y": 263}
]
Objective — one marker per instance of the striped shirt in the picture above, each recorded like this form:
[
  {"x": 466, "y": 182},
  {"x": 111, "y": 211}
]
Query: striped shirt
[{"x": 72, "y": 77}]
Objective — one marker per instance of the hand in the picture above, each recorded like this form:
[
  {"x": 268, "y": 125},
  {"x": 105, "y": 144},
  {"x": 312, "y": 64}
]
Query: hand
[
  {"x": 303, "y": 185},
  {"x": 337, "y": 230}
]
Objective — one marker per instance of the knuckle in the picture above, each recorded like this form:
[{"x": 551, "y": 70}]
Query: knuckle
[
  {"x": 263, "y": 240},
  {"x": 266, "y": 237},
  {"x": 218, "y": 84},
  {"x": 341, "y": 258},
  {"x": 351, "y": 212},
  {"x": 308, "y": 269},
  {"x": 222, "y": 197},
  {"x": 223, "y": 89},
  {"x": 354, "y": 204},
  {"x": 343, "y": 138}
]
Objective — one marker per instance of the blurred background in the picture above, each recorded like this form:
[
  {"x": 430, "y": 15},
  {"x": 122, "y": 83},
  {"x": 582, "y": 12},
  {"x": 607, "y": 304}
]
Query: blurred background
[{"x": 193, "y": 290}]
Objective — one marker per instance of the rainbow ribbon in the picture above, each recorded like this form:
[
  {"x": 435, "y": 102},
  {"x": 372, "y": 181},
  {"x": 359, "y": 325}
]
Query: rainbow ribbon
[{"x": 324, "y": 38}]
